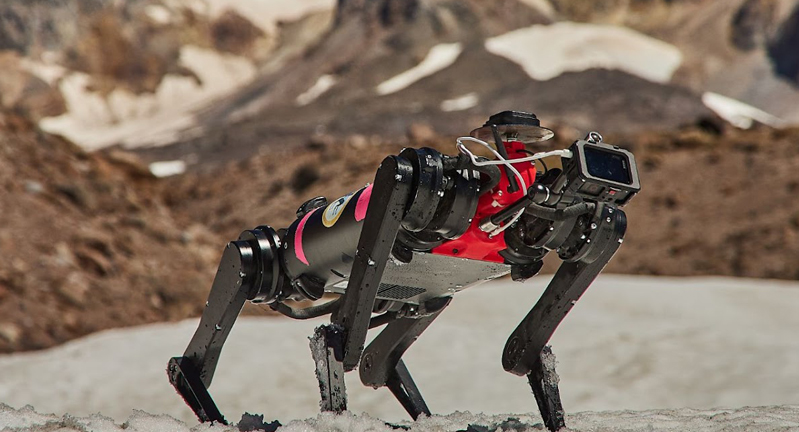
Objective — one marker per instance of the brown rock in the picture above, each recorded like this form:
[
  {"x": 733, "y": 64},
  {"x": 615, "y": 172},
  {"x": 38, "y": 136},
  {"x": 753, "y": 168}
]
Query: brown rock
[
  {"x": 234, "y": 33},
  {"x": 64, "y": 256},
  {"x": 10, "y": 332},
  {"x": 75, "y": 288},
  {"x": 95, "y": 261},
  {"x": 130, "y": 162}
]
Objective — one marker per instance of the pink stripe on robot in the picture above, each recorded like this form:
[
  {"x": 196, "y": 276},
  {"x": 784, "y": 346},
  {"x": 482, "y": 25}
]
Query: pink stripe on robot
[
  {"x": 363, "y": 203},
  {"x": 298, "y": 239}
]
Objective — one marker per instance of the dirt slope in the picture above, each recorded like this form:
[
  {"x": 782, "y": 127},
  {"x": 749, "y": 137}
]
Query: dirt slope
[{"x": 87, "y": 244}]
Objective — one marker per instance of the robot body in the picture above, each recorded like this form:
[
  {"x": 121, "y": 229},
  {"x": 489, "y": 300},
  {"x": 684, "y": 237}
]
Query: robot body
[{"x": 398, "y": 250}]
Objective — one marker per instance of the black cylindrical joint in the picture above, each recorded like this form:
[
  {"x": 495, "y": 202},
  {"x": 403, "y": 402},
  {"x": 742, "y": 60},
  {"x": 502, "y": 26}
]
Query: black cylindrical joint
[
  {"x": 428, "y": 180},
  {"x": 266, "y": 275}
]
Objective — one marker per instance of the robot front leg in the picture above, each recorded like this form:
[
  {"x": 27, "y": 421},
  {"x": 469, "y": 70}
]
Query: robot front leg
[
  {"x": 327, "y": 349},
  {"x": 337, "y": 347},
  {"x": 526, "y": 352}
]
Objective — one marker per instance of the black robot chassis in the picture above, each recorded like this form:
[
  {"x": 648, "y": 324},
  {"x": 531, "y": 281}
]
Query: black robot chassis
[{"x": 395, "y": 253}]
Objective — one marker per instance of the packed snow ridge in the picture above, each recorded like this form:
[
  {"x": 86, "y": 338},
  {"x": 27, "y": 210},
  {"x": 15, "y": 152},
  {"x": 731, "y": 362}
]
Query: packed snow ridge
[
  {"x": 761, "y": 419},
  {"x": 547, "y": 51}
]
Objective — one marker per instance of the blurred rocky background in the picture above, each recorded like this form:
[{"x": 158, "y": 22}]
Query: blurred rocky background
[{"x": 137, "y": 137}]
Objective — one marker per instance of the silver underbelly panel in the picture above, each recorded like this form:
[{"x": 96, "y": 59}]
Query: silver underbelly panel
[{"x": 428, "y": 276}]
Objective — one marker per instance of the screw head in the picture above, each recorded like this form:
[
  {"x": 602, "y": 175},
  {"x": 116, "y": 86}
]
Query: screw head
[{"x": 367, "y": 362}]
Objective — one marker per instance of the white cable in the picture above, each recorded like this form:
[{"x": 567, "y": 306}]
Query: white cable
[
  {"x": 502, "y": 161},
  {"x": 508, "y": 163},
  {"x": 566, "y": 153}
]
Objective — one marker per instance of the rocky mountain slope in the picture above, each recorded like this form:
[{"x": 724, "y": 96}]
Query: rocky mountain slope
[
  {"x": 616, "y": 66},
  {"x": 225, "y": 78},
  {"x": 385, "y": 65},
  {"x": 133, "y": 72}
]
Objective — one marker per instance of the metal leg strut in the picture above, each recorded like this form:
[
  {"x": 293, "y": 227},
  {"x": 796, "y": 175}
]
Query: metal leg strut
[
  {"x": 404, "y": 389},
  {"x": 192, "y": 373},
  {"x": 382, "y": 364}
]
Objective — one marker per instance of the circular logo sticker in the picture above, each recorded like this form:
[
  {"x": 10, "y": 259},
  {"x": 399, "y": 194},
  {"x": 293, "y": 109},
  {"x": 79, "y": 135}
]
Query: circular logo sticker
[{"x": 334, "y": 210}]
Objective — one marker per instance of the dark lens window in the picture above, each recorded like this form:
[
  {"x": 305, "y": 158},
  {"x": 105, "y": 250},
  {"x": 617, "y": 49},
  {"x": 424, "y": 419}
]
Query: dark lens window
[{"x": 607, "y": 165}]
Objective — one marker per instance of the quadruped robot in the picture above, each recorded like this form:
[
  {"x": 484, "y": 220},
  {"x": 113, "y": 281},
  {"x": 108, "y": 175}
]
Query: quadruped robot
[{"x": 396, "y": 252}]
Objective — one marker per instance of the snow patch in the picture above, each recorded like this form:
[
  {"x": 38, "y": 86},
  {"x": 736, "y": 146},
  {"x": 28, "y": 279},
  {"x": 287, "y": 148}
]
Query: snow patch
[
  {"x": 47, "y": 69},
  {"x": 158, "y": 13},
  {"x": 440, "y": 57},
  {"x": 547, "y": 51},
  {"x": 323, "y": 84},
  {"x": 630, "y": 343},
  {"x": 93, "y": 121},
  {"x": 27, "y": 419},
  {"x": 460, "y": 103},
  {"x": 543, "y": 6},
  {"x": 168, "y": 168},
  {"x": 739, "y": 114},
  {"x": 265, "y": 13}
]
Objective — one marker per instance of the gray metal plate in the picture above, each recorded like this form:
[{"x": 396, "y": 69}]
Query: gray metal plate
[{"x": 428, "y": 276}]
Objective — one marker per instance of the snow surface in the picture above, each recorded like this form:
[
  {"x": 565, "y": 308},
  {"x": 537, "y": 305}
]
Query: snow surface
[
  {"x": 93, "y": 121},
  {"x": 739, "y": 114},
  {"x": 547, "y": 51},
  {"x": 744, "y": 419},
  {"x": 631, "y": 343},
  {"x": 440, "y": 57}
]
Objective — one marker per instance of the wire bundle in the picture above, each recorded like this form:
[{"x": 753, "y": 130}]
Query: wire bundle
[{"x": 508, "y": 163}]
